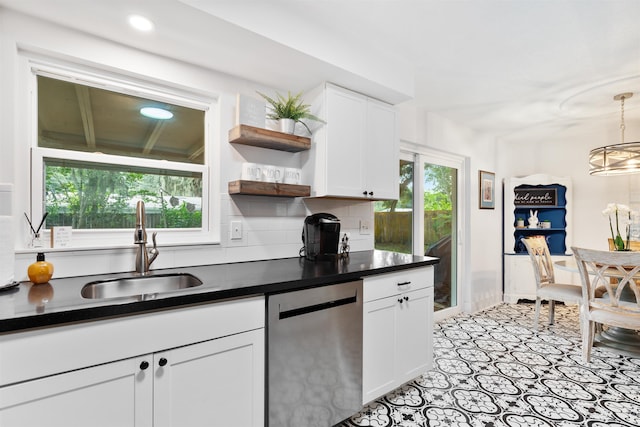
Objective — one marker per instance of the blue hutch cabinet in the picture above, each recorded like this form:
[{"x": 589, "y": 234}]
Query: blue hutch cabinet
[{"x": 549, "y": 197}]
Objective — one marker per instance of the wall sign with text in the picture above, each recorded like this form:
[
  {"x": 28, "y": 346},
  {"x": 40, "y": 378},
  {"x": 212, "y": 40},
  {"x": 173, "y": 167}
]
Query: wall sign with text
[{"x": 533, "y": 196}]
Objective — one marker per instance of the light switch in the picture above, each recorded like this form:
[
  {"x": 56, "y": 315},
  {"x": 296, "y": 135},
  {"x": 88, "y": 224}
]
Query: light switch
[
  {"x": 365, "y": 227},
  {"x": 236, "y": 230}
]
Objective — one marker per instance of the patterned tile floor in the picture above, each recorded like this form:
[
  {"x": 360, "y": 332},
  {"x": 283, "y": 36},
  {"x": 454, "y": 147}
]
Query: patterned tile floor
[{"x": 491, "y": 369}]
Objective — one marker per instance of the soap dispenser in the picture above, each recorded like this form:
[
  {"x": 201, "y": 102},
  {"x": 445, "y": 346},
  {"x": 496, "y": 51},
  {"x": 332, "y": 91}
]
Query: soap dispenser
[{"x": 40, "y": 271}]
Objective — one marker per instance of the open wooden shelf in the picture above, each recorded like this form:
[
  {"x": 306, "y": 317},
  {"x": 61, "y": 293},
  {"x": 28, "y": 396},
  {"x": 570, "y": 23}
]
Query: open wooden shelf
[
  {"x": 260, "y": 188},
  {"x": 265, "y": 138}
]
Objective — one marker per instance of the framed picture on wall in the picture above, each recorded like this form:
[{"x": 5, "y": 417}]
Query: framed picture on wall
[{"x": 487, "y": 181}]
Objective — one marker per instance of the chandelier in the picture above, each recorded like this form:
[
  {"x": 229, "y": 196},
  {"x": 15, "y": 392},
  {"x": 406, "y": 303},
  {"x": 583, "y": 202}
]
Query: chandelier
[{"x": 616, "y": 159}]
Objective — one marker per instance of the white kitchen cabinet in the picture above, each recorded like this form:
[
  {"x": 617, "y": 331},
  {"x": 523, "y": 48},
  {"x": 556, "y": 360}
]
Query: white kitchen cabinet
[
  {"x": 397, "y": 330},
  {"x": 355, "y": 154},
  {"x": 414, "y": 334},
  {"x": 381, "y": 150},
  {"x": 218, "y": 382},
  {"x": 204, "y": 365},
  {"x": 215, "y": 382},
  {"x": 379, "y": 348},
  {"x": 113, "y": 394}
]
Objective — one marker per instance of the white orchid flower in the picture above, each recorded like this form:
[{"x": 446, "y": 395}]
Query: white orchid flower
[{"x": 622, "y": 215}]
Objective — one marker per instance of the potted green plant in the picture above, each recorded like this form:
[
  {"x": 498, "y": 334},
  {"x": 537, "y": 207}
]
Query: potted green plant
[
  {"x": 289, "y": 110},
  {"x": 520, "y": 222}
]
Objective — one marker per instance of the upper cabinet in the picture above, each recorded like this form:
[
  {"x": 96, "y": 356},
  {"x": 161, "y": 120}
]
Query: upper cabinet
[{"x": 356, "y": 153}]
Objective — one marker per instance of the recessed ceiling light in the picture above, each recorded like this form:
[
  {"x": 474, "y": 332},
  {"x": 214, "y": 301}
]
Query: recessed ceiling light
[
  {"x": 156, "y": 113},
  {"x": 140, "y": 23}
]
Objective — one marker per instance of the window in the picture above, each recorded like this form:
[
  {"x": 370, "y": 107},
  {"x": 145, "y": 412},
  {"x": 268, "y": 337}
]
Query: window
[
  {"x": 97, "y": 152},
  {"x": 87, "y": 195}
]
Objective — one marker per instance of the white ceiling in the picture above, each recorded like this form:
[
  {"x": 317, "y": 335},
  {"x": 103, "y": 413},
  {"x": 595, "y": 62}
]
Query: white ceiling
[{"x": 494, "y": 65}]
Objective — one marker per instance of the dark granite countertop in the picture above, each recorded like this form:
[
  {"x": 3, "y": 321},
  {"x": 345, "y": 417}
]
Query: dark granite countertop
[{"x": 59, "y": 301}]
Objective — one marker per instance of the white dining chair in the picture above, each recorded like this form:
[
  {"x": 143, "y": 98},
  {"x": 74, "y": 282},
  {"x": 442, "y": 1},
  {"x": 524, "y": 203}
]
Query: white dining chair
[
  {"x": 546, "y": 286},
  {"x": 619, "y": 306}
]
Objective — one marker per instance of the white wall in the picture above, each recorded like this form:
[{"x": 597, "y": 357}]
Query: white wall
[{"x": 271, "y": 226}]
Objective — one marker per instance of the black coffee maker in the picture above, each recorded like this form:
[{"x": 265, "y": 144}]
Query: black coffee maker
[{"x": 320, "y": 237}]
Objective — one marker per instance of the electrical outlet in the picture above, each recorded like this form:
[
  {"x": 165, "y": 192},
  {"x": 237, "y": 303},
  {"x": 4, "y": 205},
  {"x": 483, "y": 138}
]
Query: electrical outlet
[
  {"x": 365, "y": 227},
  {"x": 235, "y": 230}
]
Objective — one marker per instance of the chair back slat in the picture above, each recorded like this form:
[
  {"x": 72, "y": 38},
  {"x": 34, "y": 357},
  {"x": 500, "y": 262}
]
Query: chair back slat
[
  {"x": 598, "y": 267},
  {"x": 541, "y": 259}
]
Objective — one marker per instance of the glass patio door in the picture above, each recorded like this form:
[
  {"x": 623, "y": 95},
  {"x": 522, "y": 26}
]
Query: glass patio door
[
  {"x": 425, "y": 219},
  {"x": 440, "y": 201}
]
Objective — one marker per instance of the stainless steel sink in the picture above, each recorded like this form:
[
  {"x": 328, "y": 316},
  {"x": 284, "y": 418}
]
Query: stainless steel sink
[{"x": 139, "y": 285}]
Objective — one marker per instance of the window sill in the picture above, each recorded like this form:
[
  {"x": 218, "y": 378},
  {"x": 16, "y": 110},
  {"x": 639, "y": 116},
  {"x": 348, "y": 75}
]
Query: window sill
[{"x": 109, "y": 247}]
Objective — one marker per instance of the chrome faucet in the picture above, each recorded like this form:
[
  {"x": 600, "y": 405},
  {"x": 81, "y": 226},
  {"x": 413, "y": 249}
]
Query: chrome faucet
[{"x": 143, "y": 261}]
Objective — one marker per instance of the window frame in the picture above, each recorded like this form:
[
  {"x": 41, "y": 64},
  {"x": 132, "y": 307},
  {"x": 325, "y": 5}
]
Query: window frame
[{"x": 209, "y": 233}]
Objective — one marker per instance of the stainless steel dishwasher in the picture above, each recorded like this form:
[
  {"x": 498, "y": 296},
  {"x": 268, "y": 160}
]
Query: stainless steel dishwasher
[{"x": 314, "y": 367}]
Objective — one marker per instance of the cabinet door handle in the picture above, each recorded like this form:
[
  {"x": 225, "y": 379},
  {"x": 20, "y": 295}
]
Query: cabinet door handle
[
  {"x": 162, "y": 361},
  {"x": 371, "y": 193},
  {"x": 364, "y": 193},
  {"x": 404, "y": 283},
  {"x": 406, "y": 298},
  {"x": 144, "y": 365},
  {"x": 400, "y": 300}
]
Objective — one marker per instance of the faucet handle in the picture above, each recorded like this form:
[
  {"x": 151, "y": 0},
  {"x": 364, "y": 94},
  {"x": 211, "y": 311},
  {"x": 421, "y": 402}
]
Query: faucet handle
[{"x": 153, "y": 251}]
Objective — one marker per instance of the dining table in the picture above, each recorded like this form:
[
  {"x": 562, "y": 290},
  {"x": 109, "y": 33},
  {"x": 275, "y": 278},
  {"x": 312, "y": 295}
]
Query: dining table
[{"x": 627, "y": 340}]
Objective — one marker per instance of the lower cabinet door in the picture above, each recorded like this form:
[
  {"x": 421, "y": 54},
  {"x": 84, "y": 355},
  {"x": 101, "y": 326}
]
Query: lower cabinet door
[
  {"x": 519, "y": 279},
  {"x": 113, "y": 394},
  {"x": 397, "y": 341},
  {"x": 379, "y": 348},
  {"x": 414, "y": 335},
  {"x": 218, "y": 382},
  {"x": 215, "y": 383}
]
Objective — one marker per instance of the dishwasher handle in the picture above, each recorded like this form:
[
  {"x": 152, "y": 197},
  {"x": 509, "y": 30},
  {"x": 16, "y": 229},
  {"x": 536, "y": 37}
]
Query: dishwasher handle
[{"x": 317, "y": 307}]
